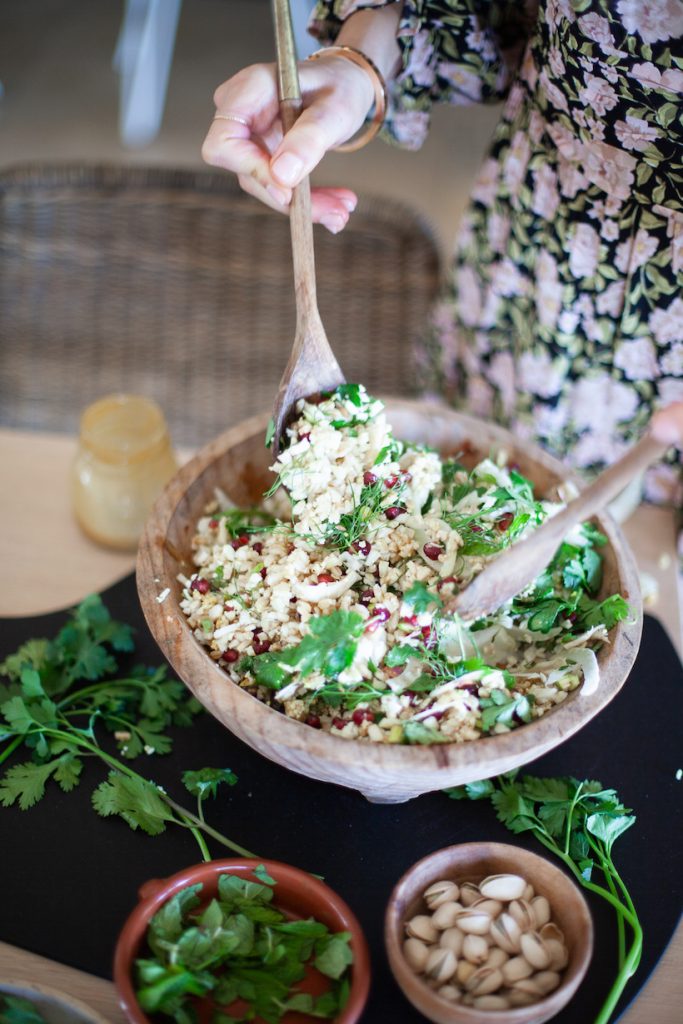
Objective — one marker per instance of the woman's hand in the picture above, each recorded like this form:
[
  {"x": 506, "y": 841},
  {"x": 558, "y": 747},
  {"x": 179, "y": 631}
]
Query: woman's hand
[
  {"x": 337, "y": 95},
  {"x": 667, "y": 425}
]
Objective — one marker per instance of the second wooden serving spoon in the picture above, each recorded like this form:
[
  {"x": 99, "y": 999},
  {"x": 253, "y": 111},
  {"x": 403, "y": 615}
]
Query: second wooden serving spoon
[
  {"x": 312, "y": 366},
  {"x": 508, "y": 574}
]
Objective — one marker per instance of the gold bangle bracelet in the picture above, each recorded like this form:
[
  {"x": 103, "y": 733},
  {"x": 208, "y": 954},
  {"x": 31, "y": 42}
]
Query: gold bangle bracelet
[{"x": 379, "y": 88}]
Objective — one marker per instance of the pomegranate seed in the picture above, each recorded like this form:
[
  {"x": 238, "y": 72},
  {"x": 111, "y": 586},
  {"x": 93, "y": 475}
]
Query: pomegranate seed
[
  {"x": 359, "y": 716},
  {"x": 407, "y": 477},
  {"x": 516, "y": 466},
  {"x": 504, "y": 521},
  {"x": 325, "y": 577},
  {"x": 260, "y": 646},
  {"x": 391, "y": 481},
  {"x": 306, "y": 436},
  {"x": 213, "y": 523},
  {"x": 230, "y": 655},
  {"x": 394, "y": 511},
  {"x": 369, "y": 478},
  {"x": 314, "y": 722},
  {"x": 573, "y": 616},
  {"x": 426, "y": 632},
  {"x": 239, "y": 542},
  {"x": 410, "y": 619},
  {"x": 263, "y": 572},
  {"x": 382, "y": 614},
  {"x": 476, "y": 529},
  {"x": 366, "y": 597},
  {"x": 258, "y": 547},
  {"x": 338, "y": 723},
  {"x": 437, "y": 715},
  {"x": 203, "y": 586},
  {"x": 363, "y": 547},
  {"x": 445, "y": 580},
  {"x": 432, "y": 551}
]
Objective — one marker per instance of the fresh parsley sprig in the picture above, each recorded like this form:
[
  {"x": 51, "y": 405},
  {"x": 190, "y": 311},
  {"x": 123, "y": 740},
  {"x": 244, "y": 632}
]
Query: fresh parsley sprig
[
  {"x": 579, "y": 822},
  {"x": 47, "y": 711}
]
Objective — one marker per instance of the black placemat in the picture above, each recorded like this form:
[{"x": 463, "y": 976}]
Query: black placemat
[{"x": 70, "y": 878}]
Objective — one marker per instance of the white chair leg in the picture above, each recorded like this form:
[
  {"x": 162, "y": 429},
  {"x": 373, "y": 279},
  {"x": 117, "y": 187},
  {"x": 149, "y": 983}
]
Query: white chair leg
[{"x": 143, "y": 57}]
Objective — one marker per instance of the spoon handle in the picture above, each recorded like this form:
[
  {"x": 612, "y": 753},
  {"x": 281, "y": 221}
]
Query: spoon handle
[{"x": 301, "y": 223}]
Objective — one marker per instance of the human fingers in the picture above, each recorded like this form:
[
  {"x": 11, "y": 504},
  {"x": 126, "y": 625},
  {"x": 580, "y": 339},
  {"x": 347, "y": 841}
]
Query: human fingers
[
  {"x": 337, "y": 96},
  {"x": 667, "y": 425},
  {"x": 326, "y": 207}
]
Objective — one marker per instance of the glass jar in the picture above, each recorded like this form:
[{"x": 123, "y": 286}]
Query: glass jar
[{"x": 123, "y": 461}]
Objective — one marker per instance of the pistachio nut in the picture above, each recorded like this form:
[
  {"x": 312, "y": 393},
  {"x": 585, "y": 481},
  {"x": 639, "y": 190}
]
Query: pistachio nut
[
  {"x": 450, "y": 992},
  {"x": 446, "y": 915},
  {"x": 506, "y": 933},
  {"x": 452, "y": 938},
  {"x": 421, "y": 927},
  {"x": 528, "y": 893},
  {"x": 515, "y": 969},
  {"x": 475, "y": 948},
  {"x": 490, "y": 1003},
  {"x": 416, "y": 952},
  {"x": 551, "y": 931},
  {"x": 535, "y": 950},
  {"x": 440, "y": 965},
  {"x": 484, "y": 981},
  {"x": 503, "y": 887},
  {"x": 517, "y": 998},
  {"x": 541, "y": 909},
  {"x": 491, "y": 907},
  {"x": 523, "y": 915},
  {"x": 441, "y": 892},
  {"x": 463, "y": 971},
  {"x": 529, "y": 987},
  {"x": 469, "y": 892},
  {"x": 497, "y": 957},
  {"x": 473, "y": 921},
  {"x": 559, "y": 957},
  {"x": 547, "y": 981}
]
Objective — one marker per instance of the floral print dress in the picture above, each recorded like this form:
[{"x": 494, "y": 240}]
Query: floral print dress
[{"x": 563, "y": 314}]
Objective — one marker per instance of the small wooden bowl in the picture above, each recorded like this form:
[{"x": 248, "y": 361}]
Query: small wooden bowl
[
  {"x": 297, "y": 894},
  {"x": 472, "y": 862},
  {"x": 237, "y": 462}
]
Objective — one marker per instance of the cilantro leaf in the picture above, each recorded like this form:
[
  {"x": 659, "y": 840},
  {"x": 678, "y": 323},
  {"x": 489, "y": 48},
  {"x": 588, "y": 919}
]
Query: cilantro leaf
[
  {"x": 421, "y": 599},
  {"x": 205, "y": 781},
  {"x": 329, "y": 648},
  {"x": 136, "y": 800}
]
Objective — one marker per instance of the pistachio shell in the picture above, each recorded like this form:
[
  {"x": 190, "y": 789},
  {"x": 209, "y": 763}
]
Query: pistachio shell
[
  {"x": 559, "y": 957},
  {"x": 541, "y": 909},
  {"x": 551, "y": 931},
  {"x": 528, "y": 893},
  {"x": 490, "y": 1003},
  {"x": 517, "y": 998},
  {"x": 497, "y": 957},
  {"x": 469, "y": 892},
  {"x": 506, "y": 933},
  {"x": 535, "y": 950},
  {"x": 475, "y": 948},
  {"x": 547, "y": 981},
  {"x": 450, "y": 992},
  {"x": 523, "y": 915},
  {"x": 491, "y": 907},
  {"x": 452, "y": 938},
  {"x": 529, "y": 987},
  {"x": 463, "y": 971},
  {"x": 440, "y": 965},
  {"x": 446, "y": 915},
  {"x": 473, "y": 921},
  {"x": 484, "y": 981},
  {"x": 441, "y": 892},
  {"x": 421, "y": 927},
  {"x": 503, "y": 887},
  {"x": 416, "y": 953},
  {"x": 515, "y": 969}
]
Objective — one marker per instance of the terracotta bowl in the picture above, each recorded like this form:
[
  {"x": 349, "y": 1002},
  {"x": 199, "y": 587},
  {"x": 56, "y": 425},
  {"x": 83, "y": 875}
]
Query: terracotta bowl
[
  {"x": 297, "y": 894},
  {"x": 472, "y": 862},
  {"x": 237, "y": 461}
]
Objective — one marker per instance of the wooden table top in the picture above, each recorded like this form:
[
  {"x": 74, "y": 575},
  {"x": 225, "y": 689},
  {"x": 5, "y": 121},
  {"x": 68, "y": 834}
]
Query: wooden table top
[{"x": 48, "y": 564}]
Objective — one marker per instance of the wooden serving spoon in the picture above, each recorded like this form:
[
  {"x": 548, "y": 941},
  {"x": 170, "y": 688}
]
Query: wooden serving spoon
[
  {"x": 516, "y": 568},
  {"x": 312, "y": 367}
]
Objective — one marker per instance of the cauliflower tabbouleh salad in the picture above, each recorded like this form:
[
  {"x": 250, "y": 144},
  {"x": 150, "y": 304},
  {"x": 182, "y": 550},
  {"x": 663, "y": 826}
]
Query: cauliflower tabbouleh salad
[{"x": 331, "y": 611}]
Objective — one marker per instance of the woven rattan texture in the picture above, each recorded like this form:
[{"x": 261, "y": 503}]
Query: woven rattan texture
[{"x": 176, "y": 285}]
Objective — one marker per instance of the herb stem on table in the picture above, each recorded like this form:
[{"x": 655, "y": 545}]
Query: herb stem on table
[
  {"x": 45, "y": 701},
  {"x": 578, "y": 822}
]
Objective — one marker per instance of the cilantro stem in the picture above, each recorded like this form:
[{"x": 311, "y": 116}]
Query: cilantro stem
[
  {"x": 194, "y": 820},
  {"x": 16, "y": 742},
  {"x": 201, "y": 843}
]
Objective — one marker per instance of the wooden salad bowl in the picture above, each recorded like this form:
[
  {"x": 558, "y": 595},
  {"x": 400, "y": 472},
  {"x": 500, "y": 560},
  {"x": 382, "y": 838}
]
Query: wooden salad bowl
[{"x": 237, "y": 462}]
